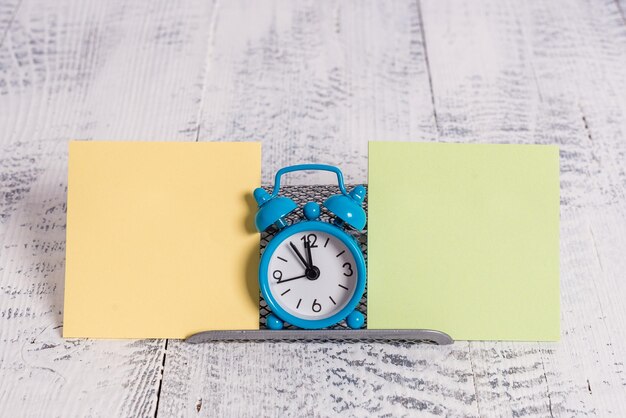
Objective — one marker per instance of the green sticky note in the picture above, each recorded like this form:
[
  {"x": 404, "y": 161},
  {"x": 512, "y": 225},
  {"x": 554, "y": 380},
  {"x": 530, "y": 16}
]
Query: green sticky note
[{"x": 464, "y": 238}]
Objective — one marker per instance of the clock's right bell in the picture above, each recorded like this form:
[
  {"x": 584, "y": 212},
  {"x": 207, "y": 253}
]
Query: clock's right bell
[{"x": 349, "y": 208}]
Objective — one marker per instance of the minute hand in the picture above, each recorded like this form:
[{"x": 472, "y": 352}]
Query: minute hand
[{"x": 304, "y": 263}]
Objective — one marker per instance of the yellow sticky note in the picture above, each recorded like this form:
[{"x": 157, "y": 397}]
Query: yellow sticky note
[
  {"x": 160, "y": 239},
  {"x": 464, "y": 238}
]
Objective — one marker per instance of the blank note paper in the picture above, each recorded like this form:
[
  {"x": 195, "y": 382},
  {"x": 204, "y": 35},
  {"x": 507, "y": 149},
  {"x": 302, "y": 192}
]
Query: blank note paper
[
  {"x": 464, "y": 238},
  {"x": 160, "y": 242}
]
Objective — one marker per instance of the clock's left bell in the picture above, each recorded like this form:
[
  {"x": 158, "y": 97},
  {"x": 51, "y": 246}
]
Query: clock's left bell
[{"x": 272, "y": 210}]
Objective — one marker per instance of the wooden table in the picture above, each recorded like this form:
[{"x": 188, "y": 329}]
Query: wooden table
[{"x": 314, "y": 81}]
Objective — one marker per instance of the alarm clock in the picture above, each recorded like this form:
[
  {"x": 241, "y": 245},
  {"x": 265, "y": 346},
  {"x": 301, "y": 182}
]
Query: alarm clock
[{"x": 312, "y": 273}]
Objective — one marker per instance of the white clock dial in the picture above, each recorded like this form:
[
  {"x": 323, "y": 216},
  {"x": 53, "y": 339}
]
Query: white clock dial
[{"x": 316, "y": 285}]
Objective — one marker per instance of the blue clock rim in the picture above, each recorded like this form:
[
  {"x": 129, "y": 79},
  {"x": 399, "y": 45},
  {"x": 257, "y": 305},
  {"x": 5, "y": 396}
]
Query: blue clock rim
[{"x": 329, "y": 229}]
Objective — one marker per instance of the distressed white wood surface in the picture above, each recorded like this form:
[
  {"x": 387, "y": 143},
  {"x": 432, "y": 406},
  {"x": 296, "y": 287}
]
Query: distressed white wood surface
[
  {"x": 313, "y": 81},
  {"x": 104, "y": 70}
]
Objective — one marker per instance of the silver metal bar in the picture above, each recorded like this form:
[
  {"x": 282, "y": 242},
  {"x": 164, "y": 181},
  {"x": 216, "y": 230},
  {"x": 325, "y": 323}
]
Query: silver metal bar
[{"x": 383, "y": 335}]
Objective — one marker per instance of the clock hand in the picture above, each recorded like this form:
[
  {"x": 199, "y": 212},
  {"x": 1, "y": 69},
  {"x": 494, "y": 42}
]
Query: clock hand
[
  {"x": 304, "y": 263},
  {"x": 307, "y": 245},
  {"x": 288, "y": 280}
]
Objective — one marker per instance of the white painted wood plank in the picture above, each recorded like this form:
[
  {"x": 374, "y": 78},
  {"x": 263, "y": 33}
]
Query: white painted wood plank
[
  {"x": 294, "y": 379},
  {"x": 313, "y": 81},
  {"x": 41, "y": 373},
  {"x": 316, "y": 83},
  {"x": 485, "y": 91},
  {"x": 8, "y": 10},
  {"x": 503, "y": 75},
  {"x": 587, "y": 57},
  {"x": 105, "y": 70},
  {"x": 620, "y": 9}
]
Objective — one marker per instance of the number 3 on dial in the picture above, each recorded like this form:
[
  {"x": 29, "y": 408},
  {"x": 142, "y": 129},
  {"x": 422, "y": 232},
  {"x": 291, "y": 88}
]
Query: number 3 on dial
[{"x": 349, "y": 267}]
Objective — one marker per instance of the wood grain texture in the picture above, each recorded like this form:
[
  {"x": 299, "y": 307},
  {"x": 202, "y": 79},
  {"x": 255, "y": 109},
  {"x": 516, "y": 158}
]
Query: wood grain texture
[
  {"x": 80, "y": 70},
  {"x": 314, "y": 82},
  {"x": 294, "y": 379},
  {"x": 42, "y": 374},
  {"x": 8, "y": 10},
  {"x": 534, "y": 73}
]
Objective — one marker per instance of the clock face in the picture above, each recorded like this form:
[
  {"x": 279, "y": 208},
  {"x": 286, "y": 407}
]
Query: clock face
[{"x": 312, "y": 275}]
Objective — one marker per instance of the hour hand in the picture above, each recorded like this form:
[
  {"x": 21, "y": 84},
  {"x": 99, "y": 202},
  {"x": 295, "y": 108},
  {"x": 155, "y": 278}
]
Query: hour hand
[
  {"x": 288, "y": 280},
  {"x": 304, "y": 263}
]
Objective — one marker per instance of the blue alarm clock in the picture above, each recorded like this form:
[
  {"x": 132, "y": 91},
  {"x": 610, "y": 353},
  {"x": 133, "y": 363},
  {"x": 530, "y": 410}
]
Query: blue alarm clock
[{"x": 312, "y": 273}]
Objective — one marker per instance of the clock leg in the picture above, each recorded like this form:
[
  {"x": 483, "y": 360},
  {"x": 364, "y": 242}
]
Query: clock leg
[
  {"x": 355, "y": 320},
  {"x": 274, "y": 322}
]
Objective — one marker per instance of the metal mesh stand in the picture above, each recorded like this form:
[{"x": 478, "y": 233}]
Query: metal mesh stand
[
  {"x": 396, "y": 336},
  {"x": 339, "y": 332},
  {"x": 302, "y": 195}
]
